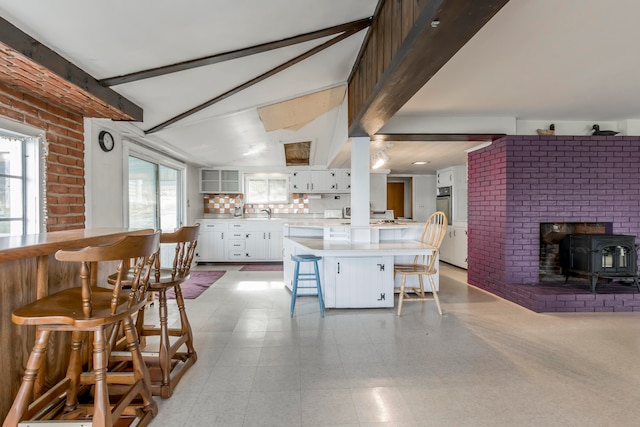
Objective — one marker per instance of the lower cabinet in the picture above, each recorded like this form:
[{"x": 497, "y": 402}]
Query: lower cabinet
[
  {"x": 454, "y": 247},
  {"x": 358, "y": 282},
  {"x": 239, "y": 241},
  {"x": 211, "y": 242}
]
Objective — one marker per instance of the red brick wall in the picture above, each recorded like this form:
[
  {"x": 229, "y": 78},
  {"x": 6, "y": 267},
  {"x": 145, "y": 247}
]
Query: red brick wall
[{"x": 65, "y": 162}]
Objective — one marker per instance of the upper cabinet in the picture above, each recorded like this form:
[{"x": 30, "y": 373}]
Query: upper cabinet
[
  {"x": 220, "y": 181},
  {"x": 320, "y": 181},
  {"x": 343, "y": 180},
  {"x": 444, "y": 177}
]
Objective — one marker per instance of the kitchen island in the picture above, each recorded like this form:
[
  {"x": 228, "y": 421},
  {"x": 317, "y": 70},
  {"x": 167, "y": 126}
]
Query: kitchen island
[{"x": 354, "y": 274}]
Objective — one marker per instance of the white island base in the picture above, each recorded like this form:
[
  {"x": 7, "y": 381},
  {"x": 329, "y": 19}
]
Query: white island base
[{"x": 354, "y": 275}]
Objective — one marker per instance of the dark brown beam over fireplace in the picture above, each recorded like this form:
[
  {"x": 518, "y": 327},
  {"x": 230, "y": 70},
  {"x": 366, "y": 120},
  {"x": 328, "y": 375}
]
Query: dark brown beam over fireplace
[{"x": 409, "y": 41}]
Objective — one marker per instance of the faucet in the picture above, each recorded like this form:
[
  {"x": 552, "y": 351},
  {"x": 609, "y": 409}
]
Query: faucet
[{"x": 268, "y": 211}]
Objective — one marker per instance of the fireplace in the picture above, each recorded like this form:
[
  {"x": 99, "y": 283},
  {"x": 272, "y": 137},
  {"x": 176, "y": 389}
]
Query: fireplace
[
  {"x": 551, "y": 234},
  {"x": 608, "y": 256}
]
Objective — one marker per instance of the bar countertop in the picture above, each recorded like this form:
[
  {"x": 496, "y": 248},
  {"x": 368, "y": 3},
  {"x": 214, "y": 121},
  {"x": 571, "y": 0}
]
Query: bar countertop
[{"x": 32, "y": 245}]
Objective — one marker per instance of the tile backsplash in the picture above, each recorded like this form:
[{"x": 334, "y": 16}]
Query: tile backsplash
[{"x": 226, "y": 203}]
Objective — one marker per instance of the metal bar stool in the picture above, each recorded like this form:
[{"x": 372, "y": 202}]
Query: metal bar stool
[{"x": 297, "y": 277}]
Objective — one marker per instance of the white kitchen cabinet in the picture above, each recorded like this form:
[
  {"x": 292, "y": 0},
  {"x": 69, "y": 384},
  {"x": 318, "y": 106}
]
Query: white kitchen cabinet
[
  {"x": 255, "y": 240},
  {"x": 239, "y": 241},
  {"x": 459, "y": 194},
  {"x": 460, "y": 254},
  {"x": 320, "y": 181},
  {"x": 211, "y": 241},
  {"x": 444, "y": 177},
  {"x": 220, "y": 181},
  {"x": 274, "y": 244},
  {"x": 343, "y": 180},
  {"x": 359, "y": 282},
  {"x": 299, "y": 181},
  {"x": 454, "y": 247}
]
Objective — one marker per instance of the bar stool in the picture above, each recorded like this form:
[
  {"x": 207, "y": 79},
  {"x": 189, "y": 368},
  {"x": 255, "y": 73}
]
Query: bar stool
[
  {"x": 172, "y": 362},
  {"x": 90, "y": 310},
  {"x": 298, "y": 277}
]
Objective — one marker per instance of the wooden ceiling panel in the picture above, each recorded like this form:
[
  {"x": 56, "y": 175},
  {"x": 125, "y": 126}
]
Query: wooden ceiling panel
[{"x": 296, "y": 113}]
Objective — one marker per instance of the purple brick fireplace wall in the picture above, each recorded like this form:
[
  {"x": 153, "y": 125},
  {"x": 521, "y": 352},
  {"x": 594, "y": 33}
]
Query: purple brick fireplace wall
[{"x": 519, "y": 182}]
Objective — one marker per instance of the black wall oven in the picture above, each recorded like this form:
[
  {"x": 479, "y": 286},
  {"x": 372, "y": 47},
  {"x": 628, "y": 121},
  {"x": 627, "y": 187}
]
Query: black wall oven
[{"x": 443, "y": 202}]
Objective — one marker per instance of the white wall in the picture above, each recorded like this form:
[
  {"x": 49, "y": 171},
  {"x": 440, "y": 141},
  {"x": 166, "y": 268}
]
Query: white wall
[
  {"x": 195, "y": 199},
  {"x": 424, "y": 196},
  {"x": 104, "y": 178},
  {"x": 378, "y": 191}
]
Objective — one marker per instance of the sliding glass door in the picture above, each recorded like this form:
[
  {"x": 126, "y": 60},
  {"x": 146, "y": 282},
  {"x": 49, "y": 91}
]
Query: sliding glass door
[{"x": 154, "y": 195}]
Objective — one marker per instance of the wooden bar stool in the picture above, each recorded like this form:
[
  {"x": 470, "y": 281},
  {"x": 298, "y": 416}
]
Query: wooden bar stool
[
  {"x": 298, "y": 277},
  {"x": 90, "y": 310},
  {"x": 171, "y": 361}
]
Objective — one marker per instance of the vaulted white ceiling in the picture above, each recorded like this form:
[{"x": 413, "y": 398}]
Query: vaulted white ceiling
[{"x": 536, "y": 60}]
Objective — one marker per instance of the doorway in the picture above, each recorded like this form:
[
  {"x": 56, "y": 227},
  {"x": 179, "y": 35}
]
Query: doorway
[{"x": 399, "y": 197}]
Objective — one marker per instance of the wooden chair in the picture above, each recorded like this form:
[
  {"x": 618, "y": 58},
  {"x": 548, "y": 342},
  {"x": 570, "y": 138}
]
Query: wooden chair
[
  {"x": 171, "y": 361},
  {"x": 423, "y": 265},
  {"x": 90, "y": 310}
]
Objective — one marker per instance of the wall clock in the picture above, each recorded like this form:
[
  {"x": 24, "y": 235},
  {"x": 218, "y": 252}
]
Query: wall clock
[{"x": 105, "y": 139}]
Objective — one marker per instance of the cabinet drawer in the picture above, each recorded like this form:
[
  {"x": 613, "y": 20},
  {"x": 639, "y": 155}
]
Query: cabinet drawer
[
  {"x": 213, "y": 226},
  {"x": 236, "y": 245},
  {"x": 240, "y": 226},
  {"x": 236, "y": 255},
  {"x": 237, "y": 235}
]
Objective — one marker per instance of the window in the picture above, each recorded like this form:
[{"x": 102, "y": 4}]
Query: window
[
  {"x": 155, "y": 195},
  {"x": 266, "y": 188},
  {"x": 19, "y": 190}
]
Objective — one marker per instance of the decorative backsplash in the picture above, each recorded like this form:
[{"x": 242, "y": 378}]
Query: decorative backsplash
[{"x": 226, "y": 204}]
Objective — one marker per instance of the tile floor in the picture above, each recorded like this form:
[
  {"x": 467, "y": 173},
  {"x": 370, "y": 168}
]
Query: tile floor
[{"x": 485, "y": 362}]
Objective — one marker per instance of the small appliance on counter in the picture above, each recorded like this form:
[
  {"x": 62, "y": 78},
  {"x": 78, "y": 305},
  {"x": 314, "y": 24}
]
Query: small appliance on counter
[
  {"x": 382, "y": 214},
  {"x": 332, "y": 213}
]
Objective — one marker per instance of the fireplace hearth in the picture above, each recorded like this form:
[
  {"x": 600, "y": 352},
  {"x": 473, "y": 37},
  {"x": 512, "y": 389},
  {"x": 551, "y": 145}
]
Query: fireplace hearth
[{"x": 607, "y": 256}]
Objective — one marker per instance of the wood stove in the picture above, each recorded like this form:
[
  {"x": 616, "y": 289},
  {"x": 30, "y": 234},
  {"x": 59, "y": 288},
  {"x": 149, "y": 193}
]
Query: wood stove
[{"x": 610, "y": 256}]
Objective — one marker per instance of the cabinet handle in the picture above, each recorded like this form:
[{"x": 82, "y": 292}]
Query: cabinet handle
[
  {"x": 382, "y": 297},
  {"x": 338, "y": 268},
  {"x": 454, "y": 233},
  {"x": 222, "y": 235},
  {"x": 269, "y": 235},
  {"x": 381, "y": 267}
]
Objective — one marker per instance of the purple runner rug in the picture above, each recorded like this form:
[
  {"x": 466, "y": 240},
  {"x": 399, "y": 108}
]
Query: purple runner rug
[
  {"x": 262, "y": 267},
  {"x": 198, "y": 282}
]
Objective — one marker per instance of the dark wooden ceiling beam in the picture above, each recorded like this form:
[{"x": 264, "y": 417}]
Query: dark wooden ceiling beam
[
  {"x": 410, "y": 40},
  {"x": 435, "y": 137},
  {"x": 40, "y": 54},
  {"x": 255, "y": 80},
  {"x": 235, "y": 54}
]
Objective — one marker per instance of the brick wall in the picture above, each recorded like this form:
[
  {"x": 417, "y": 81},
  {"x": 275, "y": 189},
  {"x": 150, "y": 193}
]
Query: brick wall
[
  {"x": 65, "y": 161},
  {"x": 521, "y": 181}
]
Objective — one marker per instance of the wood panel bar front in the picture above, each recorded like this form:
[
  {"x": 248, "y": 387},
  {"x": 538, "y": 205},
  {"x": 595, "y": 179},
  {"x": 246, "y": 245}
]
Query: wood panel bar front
[{"x": 28, "y": 271}]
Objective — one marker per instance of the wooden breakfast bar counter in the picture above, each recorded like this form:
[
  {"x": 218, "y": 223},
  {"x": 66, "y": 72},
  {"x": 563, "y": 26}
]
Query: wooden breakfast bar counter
[{"x": 29, "y": 271}]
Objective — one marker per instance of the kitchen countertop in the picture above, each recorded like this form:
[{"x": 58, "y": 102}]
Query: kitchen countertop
[
  {"x": 321, "y": 222},
  {"x": 320, "y": 246}
]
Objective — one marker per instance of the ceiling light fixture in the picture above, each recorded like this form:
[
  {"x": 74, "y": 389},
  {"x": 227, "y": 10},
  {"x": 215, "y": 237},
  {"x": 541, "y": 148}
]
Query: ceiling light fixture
[{"x": 420, "y": 163}]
